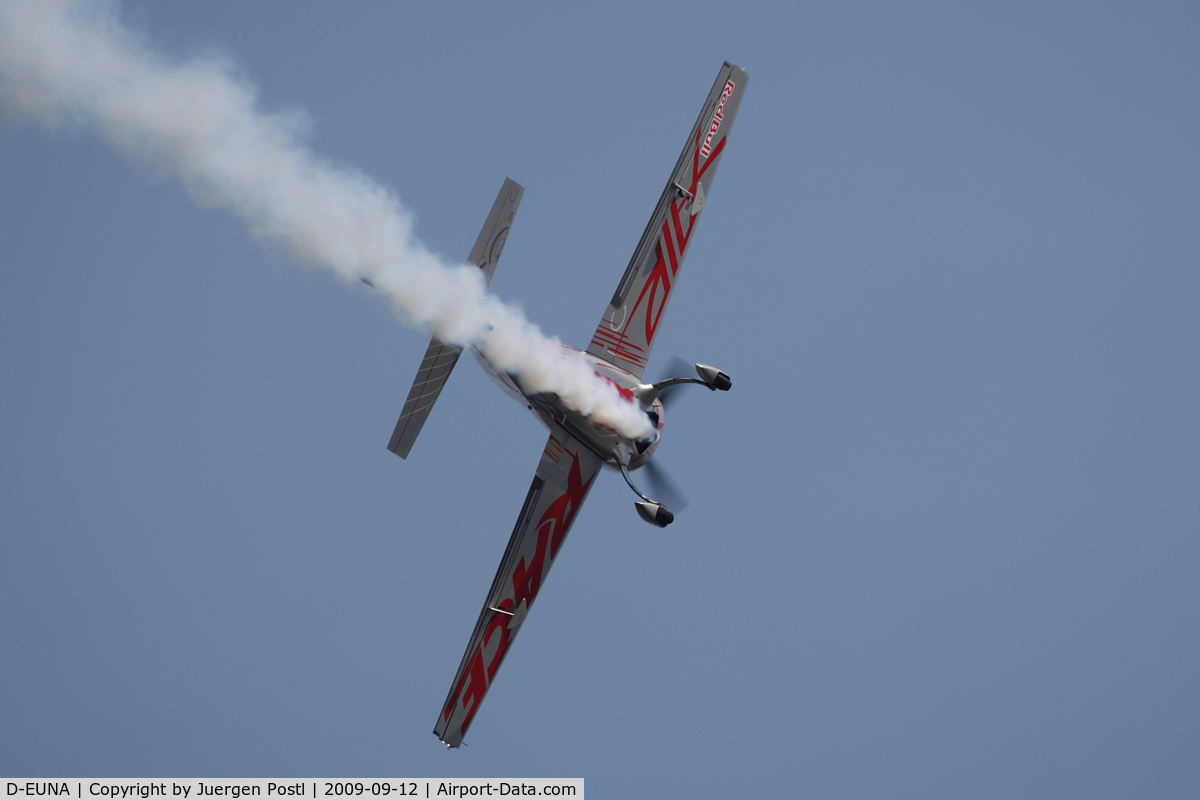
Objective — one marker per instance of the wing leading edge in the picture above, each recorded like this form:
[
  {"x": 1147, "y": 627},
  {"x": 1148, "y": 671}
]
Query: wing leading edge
[
  {"x": 626, "y": 331},
  {"x": 564, "y": 476}
]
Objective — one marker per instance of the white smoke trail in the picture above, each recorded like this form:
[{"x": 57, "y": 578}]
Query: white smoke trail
[{"x": 71, "y": 61}]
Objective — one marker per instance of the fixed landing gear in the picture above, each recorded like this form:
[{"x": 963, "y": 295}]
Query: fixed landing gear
[
  {"x": 653, "y": 511},
  {"x": 647, "y": 509}
]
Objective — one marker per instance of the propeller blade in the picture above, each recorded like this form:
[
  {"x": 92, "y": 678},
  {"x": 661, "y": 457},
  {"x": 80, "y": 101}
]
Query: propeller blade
[
  {"x": 663, "y": 489},
  {"x": 667, "y": 393},
  {"x": 676, "y": 367}
]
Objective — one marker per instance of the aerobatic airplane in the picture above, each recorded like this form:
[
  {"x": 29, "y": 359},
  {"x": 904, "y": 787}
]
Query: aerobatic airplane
[{"x": 578, "y": 447}]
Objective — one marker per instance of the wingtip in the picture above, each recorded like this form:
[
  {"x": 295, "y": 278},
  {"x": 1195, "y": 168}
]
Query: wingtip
[{"x": 450, "y": 745}]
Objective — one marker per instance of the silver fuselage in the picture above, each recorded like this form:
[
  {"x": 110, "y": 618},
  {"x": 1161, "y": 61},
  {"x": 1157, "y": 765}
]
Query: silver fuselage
[{"x": 603, "y": 440}]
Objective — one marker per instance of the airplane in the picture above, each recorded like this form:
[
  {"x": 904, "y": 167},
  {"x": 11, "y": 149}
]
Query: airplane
[{"x": 578, "y": 447}]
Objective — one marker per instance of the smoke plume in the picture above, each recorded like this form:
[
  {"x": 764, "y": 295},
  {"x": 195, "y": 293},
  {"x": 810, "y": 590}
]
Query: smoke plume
[{"x": 72, "y": 62}]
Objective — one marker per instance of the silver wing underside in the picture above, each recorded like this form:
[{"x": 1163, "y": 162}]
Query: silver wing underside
[
  {"x": 626, "y": 331},
  {"x": 564, "y": 476}
]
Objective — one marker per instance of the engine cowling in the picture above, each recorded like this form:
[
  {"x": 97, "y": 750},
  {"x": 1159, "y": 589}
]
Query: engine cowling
[{"x": 643, "y": 450}]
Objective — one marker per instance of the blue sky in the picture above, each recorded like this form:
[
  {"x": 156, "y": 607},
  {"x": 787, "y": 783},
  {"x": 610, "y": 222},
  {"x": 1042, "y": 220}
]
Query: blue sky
[{"x": 943, "y": 532}]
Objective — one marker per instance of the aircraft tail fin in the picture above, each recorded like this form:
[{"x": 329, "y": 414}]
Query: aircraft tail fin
[{"x": 440, "y": 357}]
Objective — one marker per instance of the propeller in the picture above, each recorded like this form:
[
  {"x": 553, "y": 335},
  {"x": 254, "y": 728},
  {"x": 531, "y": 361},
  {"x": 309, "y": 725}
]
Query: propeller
[
  {"x": 663, "y": 489},
  {"x": 676, "y": 367}
]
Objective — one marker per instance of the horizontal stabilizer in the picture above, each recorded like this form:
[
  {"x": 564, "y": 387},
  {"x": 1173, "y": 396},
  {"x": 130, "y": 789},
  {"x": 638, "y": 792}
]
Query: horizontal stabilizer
[{"x": 440, "y": 357}]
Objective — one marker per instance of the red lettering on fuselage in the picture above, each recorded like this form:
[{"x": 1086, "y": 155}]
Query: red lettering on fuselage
[{"x": 626, "y": 394}]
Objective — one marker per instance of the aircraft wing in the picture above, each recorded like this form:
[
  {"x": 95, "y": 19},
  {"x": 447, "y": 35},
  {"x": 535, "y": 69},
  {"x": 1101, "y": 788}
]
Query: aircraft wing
[
  {"x": 626, "y": 331},
  {"x": 564, "y": 476}
]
